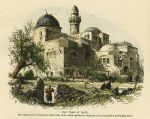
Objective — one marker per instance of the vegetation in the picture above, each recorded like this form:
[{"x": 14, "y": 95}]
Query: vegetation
[
  {"x": 94, "y": 72},
  {"x": 67, "y": 93},
  {"x": 29, "y": 75},
  {"x": 24, "y": 51},
  {"x": 75, "y": 94}
]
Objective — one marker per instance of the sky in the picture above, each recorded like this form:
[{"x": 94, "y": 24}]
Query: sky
[{"x": 87, "y": 20}]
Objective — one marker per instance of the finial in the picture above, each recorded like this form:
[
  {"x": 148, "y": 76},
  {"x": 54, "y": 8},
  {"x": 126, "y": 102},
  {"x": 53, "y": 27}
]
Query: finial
[
  {"x": 75, "y": 9},
  {"x": 46, "y": 11}
]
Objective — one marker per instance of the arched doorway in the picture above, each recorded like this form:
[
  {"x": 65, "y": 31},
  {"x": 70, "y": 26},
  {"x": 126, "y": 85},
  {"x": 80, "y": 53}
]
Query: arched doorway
[{"x": 125, "y": 69}]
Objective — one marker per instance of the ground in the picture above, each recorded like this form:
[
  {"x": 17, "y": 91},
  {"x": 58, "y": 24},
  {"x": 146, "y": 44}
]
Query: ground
[
  {"x": 81, "y": 85},
  {"x": 92, "y": 96}
]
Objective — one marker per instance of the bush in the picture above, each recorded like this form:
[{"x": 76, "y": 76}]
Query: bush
[
  {"x": 55, "y": 79},
  {"x": 29, "y": 75},
  {"x": 19, "y": 80},
  {"x": 120, "y": 79},
  {"x": 23, "y": 97},
  {"x": 99, "y": 77},
  {"x": 69, "y": 97},
  {"x": 66, "y": 93}
]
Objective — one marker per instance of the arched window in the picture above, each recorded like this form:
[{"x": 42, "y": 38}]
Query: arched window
[
  {"x": 108, "y": 61},
  {"x": 125, "y": 69},
  {"x": 104, "y": 60},
  {"x": 40, "y": 35},
  {"x": 88, "y": 36}
]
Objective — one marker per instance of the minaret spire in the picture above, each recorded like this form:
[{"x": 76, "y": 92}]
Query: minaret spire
[
  {"x": 46, "y": 11},
  {"x": 74, "y": 20}
]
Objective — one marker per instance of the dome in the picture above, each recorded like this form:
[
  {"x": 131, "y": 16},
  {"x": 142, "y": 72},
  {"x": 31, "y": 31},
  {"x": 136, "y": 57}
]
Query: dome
[
  {"x": 93, "y": 30},
  {"x": 108, "y": 48},
  {"x": 74, "y": 9},
  {"x": 123, "y": 43},
  {"x": 47, "y": 20}
]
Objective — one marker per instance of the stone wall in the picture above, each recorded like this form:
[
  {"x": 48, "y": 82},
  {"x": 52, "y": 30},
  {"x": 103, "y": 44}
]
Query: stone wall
[
  {"x": 77, "y": 55},
  {"x": 55, "y": 55}
]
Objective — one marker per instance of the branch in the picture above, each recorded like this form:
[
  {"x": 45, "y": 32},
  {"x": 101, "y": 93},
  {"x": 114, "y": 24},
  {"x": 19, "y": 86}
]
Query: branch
[{"x": 29, "y": 63}]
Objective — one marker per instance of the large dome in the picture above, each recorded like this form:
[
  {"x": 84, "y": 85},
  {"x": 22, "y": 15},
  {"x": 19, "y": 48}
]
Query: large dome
[
  {"x": 47, "y": 20},
  {"x": 93, "y": 30},
  {"x": 109, "y": 48},
  {"x": 123, "y": 43}
]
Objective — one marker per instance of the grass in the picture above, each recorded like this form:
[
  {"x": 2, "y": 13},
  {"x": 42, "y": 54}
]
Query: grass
[
  {"x": 80, "y": 85},
  {"x": 93, "y": 95}
]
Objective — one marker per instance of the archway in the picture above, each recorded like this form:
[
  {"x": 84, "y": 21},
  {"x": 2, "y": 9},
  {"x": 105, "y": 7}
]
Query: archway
[{"x": 125, "y": 69}]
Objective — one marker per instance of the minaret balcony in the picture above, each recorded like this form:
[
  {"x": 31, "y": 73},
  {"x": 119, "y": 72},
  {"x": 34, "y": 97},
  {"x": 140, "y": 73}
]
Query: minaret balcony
[{"x": 75, "y": 19}]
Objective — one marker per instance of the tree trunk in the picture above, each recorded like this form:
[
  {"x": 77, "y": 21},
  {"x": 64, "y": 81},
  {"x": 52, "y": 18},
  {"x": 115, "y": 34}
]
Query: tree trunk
[
  {"x": 135, "y": 84},
  {"x": 17, "y": 69}
]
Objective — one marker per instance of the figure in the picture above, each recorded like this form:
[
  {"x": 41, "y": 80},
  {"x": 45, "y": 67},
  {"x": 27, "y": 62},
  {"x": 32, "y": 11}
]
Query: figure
[
  {"x": 106, "y": 86},
  {"x": 49, "y": 92},
  {"x": 103, "y": 87}
]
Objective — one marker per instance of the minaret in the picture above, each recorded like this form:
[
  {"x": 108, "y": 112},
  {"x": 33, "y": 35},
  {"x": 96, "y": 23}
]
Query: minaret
[{"x": 74, "y": 20}]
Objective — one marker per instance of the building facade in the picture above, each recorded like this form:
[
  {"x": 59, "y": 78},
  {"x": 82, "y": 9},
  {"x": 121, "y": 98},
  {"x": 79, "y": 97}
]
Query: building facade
[{"x": 79, "y": 48}]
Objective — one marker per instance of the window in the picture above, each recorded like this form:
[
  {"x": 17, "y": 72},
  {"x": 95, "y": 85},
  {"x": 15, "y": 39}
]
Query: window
[
  {"x": 125, "y": 69},
  {"x": 40, "y": 35},
  {"x": 107, "y": 60},
  {"x": 120, "y": 57},
  {"x": 49, "y": 74},
  {"x": 88, "y": 36},
  {"x": 100, "y": 60},
  {"x": 120, "y": 63},
  {"x": 104, "y": 60},
  {"x": 47, "y": 54}
]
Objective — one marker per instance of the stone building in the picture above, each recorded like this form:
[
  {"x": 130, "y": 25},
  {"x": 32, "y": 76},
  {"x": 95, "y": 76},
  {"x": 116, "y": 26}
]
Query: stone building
[
  {"x": 119, "y": 58},
  {"x": 79, "y": 48}
]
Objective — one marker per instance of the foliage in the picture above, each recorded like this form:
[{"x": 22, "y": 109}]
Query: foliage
[
  {"x": 67, "y": 93},
  {"x": 119, "y": 79},
  {"x": 69, "y": 96},
  {"x": 31, "y": 96},
  {"x": 102, "y": 97},
  {"x": 56, "y": 79},
  {"x": 95, "y": 97},
  {"x": 24, "y": 51},
  {"x": 29, "y": 75},
  {"x": 93, "y": 72},
  {"x": 100, "y": 77},
  {"x": 23, "y": 97}
]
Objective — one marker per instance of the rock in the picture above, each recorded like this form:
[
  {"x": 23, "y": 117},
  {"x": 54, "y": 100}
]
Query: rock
[{"x": 40, "y": 90}]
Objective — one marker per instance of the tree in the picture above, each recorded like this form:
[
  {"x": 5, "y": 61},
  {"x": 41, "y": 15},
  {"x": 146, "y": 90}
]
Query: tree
[
  {"x": 24, "y": 51},
  {"x": 137, "y": 79}
]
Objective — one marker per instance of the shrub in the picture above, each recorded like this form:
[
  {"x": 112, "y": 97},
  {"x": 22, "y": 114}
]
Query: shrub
[
  {"x": 55, "y": 78},
  {"x": 29, "y": 75},
  {"x": 23, "y": 97},
  {"x": 100, "y": 77},
  {"x": 120, "y": 79},
  {"x": 67, "y": 93}
]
